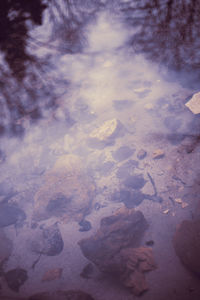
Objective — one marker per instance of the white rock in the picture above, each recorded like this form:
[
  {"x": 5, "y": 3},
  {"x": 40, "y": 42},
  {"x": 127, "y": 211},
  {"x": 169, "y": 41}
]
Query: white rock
[{"x": 194, "y": 103}]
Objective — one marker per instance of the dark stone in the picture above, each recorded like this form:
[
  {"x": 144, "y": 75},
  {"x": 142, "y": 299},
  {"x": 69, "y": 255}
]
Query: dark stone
[
  {"x": 116, "y": 232},
  {"x": 48, "y": 241},
  {"x": 56, "y": 206},
  {"x": 15, "y": 278},
  {"x": 62, "y": 295},
  {"x": 134, "y": 199},
  {"x": 129, "y": 198},
  {"x": 141, "y": 154},
  {"x": 186, "y": 242},
  {"x": 149, "y": 243},
  {"x": 122, "y": 104},
  {"x": 135, "y": 182},
  {"x": 87, "y": 271},
  {"x": 126, "y": 169},
  {"x": 123, "y": 153},
  {"x": 85, "y": 225},
  {"x": 10, "y": 215}
]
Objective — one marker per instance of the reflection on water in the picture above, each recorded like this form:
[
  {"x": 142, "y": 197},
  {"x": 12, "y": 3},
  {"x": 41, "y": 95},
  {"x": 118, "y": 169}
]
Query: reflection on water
[{"x": 111, "y": 132}]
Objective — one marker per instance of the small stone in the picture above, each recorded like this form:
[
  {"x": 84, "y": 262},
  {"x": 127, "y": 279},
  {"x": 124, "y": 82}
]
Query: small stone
[
  {"x": 15, "y": 278},
  {"x": 141, "y": 154},
  {"x": 194, "y": 103},
  {"x": 149, "y": 243},
  {"x": 178, "y": 200},
  {"x": 85, "y": 225},
  {"x": 166, "y": 211},
  {"x": 126, "y": 169},
  {"x": 52, "y": 274},
  {"x": 158, "y": 153},
  {"x": 66, "y": 193}
]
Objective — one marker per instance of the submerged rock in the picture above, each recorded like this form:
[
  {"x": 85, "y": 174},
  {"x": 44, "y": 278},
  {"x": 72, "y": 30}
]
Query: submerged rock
[
  {"x": 158, "y": 153},
  {"x": 85, "y": 225},
  {"x": 118, "y": 231},
  {"x": 105, "y": 134},
  {"x": 123, "y": 153},
  {"x": 112, "y": 250},
  {"x": 67, "y": 192},
  {"x": 62, "y": 295},
  {"x": 15, "y": 278},
  {"x": 194, "y": 103},
  {"x": 129, "y": 198},
  {"x": 127, "y": 169},
  {"x": 134, "y": 199},
  {"x": 10, "y": 214},
  {"x": 186, "y": 242},
  {"x": 141, "y": 154},
  {"x": 47, "y": 241},
  {"x": 105, "y": 168},
  {"x": 135, "y": 181}
]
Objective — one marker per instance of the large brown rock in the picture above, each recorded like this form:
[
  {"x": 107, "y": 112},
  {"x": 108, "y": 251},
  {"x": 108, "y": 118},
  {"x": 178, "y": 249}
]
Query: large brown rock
[
  {"x": 186, "y": 242},
  {"x": 113, "y": 249},
  {"x": 62, "y": 295},
  {"x": 67, "y": 191}
]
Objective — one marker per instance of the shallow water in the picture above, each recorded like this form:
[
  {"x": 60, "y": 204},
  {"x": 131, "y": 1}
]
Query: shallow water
[{"x": 107, "y": 80}]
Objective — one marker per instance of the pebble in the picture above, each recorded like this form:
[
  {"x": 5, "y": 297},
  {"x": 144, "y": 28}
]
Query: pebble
[
  {"x": 15, "y": 278},
  {"x": 158, "y": 153},
  {"x": 141, "y": 154},
  {"x": 85, "y": 225}
]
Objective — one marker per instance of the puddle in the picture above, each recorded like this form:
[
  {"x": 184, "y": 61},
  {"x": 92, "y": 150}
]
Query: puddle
[{"x": 117, "y": 137}]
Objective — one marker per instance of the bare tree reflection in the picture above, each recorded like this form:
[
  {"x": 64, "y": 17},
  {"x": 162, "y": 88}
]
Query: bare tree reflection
[
  {"x": 26, "y": 88},
  {"x": 166, "y": 30}
]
